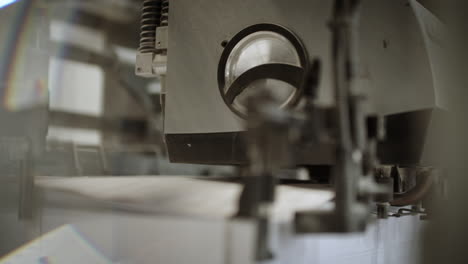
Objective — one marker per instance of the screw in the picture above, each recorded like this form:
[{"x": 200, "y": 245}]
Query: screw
[
  {"x": 224, "y": 43},
  {"x": 385, "y": 43}
]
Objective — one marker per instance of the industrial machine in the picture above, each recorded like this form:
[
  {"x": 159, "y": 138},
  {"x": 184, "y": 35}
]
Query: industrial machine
[
  {"x": 274, "y": 46},
  {"x": 357, "y": 87},
  {"x": 388, "y": 63}
]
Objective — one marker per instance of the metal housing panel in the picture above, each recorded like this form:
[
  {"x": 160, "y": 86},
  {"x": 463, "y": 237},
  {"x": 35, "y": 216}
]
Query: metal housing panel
[
  {"x": 395, "y": 63},
  {"x": 394, "y": 58},
  {"x": 198, "y": 27}
]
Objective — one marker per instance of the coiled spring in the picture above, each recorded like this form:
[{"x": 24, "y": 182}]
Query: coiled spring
[
  {"x": 165, "y": 13},
  {"x": 150, "y": 20}
]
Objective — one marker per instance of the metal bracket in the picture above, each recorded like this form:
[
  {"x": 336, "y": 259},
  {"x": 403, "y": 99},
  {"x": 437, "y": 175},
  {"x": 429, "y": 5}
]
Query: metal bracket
[
  {"x": 144, "y": 65},
  {"x": 162, "y": 38}
]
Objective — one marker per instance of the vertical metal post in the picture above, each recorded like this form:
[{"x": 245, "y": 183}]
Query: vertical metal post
[
  {"x": 349, "y": 214},
  {"x": 269, "y": 128},
  {"x": 349, "y": 156}
]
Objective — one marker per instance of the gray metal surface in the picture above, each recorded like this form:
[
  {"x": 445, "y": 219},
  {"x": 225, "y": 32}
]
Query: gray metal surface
[{"x": 395, "y": 63}]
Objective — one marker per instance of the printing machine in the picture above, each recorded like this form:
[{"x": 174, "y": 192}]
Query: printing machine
[{"x": 332, "y": 111}]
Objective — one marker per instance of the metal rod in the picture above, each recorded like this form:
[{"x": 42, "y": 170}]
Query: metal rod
[{"x": 346, "y": 169}]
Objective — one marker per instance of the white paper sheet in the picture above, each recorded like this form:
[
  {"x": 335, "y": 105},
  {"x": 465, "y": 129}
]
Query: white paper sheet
[{"x": 182, "y": 195}]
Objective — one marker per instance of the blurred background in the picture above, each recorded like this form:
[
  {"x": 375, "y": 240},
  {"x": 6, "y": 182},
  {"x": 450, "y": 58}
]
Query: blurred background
[{"x": 71, "y": 104}]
